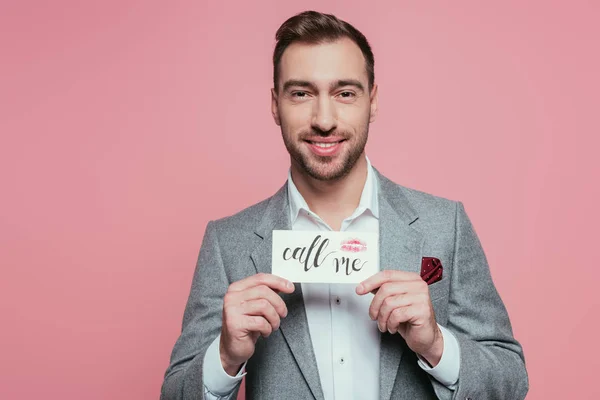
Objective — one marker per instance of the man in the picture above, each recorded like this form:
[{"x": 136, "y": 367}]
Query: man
[{"x": 391, "y": 337}]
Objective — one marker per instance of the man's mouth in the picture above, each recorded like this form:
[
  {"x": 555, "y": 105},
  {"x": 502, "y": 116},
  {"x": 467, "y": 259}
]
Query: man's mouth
[{"x": 325, "y": 147}]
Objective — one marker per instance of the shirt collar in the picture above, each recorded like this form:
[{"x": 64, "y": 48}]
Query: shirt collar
[{"x": 368, "y": 199}]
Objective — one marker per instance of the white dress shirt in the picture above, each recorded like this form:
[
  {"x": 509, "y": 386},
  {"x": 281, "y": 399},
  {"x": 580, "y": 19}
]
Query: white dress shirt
[{"x": 348, "y": 364}]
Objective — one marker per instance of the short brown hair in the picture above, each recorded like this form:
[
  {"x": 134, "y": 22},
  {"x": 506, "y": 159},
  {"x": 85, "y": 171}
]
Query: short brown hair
[{"x": 314, "y": 27}]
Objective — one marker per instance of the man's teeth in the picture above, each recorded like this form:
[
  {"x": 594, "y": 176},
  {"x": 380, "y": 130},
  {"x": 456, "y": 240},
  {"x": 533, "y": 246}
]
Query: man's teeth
[{"x": 324, "y": 145}]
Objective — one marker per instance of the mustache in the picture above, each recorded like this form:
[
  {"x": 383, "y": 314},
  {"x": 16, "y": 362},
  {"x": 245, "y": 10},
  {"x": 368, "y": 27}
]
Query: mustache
[{"x": 313, "y": 134}]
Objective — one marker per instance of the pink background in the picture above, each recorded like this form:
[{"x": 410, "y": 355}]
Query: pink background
[{"x": 127, "y": 125}]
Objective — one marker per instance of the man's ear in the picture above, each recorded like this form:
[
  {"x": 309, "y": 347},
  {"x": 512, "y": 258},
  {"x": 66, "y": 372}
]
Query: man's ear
[
  {"x": 374, "y": 103},
  {"x": 275, "y": 106}
]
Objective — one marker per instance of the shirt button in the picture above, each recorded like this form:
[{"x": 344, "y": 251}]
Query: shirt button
[
  {"x": 342, "y": 360},
  {"x": 338, "y": 301}
]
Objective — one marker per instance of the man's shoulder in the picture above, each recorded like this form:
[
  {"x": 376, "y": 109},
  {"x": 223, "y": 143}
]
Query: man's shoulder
[
  {"x": 247, "y": 219},
  {"x": 422, "y": 202}
]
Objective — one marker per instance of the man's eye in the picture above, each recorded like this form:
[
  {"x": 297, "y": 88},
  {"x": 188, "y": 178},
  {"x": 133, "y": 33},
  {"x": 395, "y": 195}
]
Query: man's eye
[
  {"x": 299, "y": 94},
  {"x": 347, "y": 95}
]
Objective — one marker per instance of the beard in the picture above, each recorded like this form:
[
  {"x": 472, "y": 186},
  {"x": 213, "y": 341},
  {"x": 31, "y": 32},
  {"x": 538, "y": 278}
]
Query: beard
[{"x": 326, "y": 168}]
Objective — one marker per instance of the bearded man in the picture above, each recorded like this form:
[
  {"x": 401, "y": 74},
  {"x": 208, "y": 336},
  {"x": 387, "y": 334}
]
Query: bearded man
[{"x": 394, "y": 335}]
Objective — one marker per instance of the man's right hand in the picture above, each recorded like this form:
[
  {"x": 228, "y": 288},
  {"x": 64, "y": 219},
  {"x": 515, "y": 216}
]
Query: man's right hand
[{"x": 251, "y": 308}]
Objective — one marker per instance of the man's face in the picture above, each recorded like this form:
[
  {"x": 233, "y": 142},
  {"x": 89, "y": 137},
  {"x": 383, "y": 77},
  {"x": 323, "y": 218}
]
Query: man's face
[{"x": 324, "y": 107}]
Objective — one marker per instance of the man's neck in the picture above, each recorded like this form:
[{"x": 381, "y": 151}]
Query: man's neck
[{"x": 333, "y": 201}]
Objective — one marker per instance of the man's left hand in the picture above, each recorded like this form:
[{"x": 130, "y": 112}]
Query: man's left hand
[{"x": 402, "y": 304}]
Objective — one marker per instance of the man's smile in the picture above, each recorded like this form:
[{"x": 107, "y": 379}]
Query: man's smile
[{"x": 325, "y": 146}]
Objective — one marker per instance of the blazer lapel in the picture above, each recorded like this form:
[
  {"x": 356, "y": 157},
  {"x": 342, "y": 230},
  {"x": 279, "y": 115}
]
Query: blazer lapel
[
  {"x": 294, "y": 326},
  {"x": 400, "y": 248}
]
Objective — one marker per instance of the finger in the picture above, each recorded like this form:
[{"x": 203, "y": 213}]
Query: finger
[
  {"x": 401, "y": 315},
  {"x": 257, "y": 324},
  {"x": 382, "y": 277},
  {"x": 390, "y": 303},
  {"x": 262, "y": 307},
  {"x": 265, "y": 292},
  {"x": 391, "y": 289},
  {"x": 273, "y": 281}
]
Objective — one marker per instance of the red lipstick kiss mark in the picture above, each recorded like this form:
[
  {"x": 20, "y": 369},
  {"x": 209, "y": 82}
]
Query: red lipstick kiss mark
[{"x": 354, "y": 245}]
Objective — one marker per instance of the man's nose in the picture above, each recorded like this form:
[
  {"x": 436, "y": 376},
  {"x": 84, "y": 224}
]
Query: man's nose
[{"x": 324, "y": 115}]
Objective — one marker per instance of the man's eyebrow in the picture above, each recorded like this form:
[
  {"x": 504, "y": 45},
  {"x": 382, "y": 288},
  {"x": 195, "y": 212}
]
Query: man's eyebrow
[
  {"x": 339, "y": 83},
  {"x": 298, "y": 83},
  {"x": 347, "y": 82}
]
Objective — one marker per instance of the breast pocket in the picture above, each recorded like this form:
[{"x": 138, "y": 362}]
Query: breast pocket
[
  {"x": 438, "y": 290},
  {"x": 438, "y": 293}
]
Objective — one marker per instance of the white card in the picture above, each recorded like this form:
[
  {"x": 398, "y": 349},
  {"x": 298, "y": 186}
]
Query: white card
[{"x": 325, "y": 256}]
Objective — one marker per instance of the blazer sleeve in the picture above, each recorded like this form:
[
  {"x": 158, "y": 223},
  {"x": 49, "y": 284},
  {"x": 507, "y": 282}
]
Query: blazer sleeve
[
  {"x": 202, "y": 321},
  {"x": 492, "y": 365}
]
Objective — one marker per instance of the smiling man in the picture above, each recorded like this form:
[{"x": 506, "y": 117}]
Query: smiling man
[{"x": 397, "y": 335}]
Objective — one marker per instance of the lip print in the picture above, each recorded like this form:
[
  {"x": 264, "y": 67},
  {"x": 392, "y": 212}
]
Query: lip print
[{"x": 354, "y": 245}]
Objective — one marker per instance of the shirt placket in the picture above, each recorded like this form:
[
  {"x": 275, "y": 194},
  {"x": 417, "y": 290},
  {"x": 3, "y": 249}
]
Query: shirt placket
[{"x": 341, "y": 330}]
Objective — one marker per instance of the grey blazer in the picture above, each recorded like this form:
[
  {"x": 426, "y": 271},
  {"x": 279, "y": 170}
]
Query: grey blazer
[{"x": 413, "y": 224}]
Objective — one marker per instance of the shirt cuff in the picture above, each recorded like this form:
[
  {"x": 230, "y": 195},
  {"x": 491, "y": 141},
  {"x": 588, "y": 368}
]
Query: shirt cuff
[
  {"x": 216, "y": 380},
  {"x": 447, "y": 370}
]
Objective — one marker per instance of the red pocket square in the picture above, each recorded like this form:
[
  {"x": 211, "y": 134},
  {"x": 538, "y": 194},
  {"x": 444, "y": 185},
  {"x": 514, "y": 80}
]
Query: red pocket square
[{"x": 431, "y": 270}]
